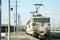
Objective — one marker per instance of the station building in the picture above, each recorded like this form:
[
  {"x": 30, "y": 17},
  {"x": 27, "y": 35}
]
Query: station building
[{"x": 4, "y": 28}]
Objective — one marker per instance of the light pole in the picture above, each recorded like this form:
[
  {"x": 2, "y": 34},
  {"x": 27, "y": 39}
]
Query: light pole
[{"x": 9, "y": 20}]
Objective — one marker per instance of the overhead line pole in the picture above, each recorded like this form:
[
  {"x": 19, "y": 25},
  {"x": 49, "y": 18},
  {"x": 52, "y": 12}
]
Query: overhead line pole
[
  {"x": 9, "y": 20},
  {"x": 16, "y": 15},
  {"x": 0, "y": 19},
  {"x": 14, "y": 23},
  {"x": 18, "y": 20}
]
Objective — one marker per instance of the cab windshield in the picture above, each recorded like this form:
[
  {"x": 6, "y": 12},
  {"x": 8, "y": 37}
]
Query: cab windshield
[{"x": 41, "y": 19}]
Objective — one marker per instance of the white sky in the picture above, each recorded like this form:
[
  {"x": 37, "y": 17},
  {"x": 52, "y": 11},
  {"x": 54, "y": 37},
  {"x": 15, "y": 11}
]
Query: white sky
[{"x": 51, "y": 8}]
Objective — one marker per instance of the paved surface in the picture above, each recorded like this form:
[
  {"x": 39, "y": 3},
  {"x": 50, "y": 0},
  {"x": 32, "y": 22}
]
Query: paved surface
[
  {"x": 20, "y": 36},
  {"x": 55, "y": 39}
]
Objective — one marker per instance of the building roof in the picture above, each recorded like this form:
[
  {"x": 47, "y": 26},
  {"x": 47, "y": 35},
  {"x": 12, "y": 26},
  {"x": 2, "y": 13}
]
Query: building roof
[{"x": 5, "y": 25}]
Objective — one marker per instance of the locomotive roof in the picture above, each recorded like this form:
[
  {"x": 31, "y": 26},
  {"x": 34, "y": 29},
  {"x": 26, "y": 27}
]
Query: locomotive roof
[{"x": 39, "y": 16}]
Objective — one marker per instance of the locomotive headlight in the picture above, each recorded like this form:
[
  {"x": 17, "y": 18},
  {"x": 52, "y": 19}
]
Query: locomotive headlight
[{"x": 41, "y": 33}]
